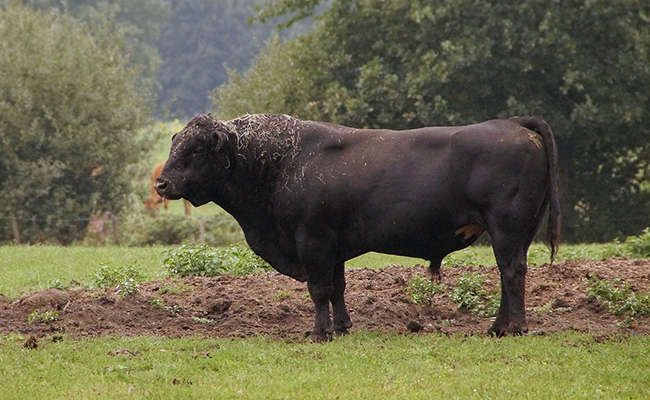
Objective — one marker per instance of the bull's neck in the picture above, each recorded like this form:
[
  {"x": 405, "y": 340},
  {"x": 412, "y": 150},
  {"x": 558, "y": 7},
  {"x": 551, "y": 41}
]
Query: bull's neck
[{"x": 248, "y": 193}]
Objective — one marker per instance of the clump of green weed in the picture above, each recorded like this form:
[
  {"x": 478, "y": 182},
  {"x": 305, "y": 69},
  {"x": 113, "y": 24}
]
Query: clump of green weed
[
  {"x": 126, "y": 279},
  {"x": 203, "y": 260},
  {"x": 550, "y": 308},
  {"x": 175, "y": 289},
  {"x": 281, "y": 295},
  {"x": 201, "y": 320},
  {"x": 638, "y": 246},
  {"x": 471, "y": 295},
  {"x": 422, "y": 290},
  {"x": 47, "y": 317},
  {"x": 57, "y": 284},
  {"x": 108, "y": 276},
  {"x": 612, "y": 249},
  {"x": 618, "y": 297},
  {"x": 633, "y": 246},
  {"x": 159, "y": 302},
  {"x": 129, "y": 286}
]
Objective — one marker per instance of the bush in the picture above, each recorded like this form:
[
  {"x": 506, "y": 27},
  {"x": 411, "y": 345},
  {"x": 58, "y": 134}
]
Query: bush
[
  {"x": 70, "y": 103},
  {"x": 203, "y": 260}
]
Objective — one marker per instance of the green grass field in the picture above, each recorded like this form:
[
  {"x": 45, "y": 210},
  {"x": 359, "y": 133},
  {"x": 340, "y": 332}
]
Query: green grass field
[{"x": 359, "y": 366}]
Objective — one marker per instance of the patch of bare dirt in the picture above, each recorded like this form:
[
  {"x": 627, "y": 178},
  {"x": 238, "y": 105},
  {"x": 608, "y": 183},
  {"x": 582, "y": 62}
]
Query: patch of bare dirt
[{"x": 274, "y": 305}]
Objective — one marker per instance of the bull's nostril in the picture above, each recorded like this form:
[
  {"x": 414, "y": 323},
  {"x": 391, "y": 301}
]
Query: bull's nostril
[{"x": 160, "y": 186}]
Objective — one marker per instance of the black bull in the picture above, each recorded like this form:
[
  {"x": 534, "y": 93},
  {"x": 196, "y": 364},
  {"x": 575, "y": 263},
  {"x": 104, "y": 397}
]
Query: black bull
[{"x": 311, "y": 195}]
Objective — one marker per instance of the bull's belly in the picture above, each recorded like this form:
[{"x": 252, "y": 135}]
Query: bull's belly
[{"x": 415, "y": 243}]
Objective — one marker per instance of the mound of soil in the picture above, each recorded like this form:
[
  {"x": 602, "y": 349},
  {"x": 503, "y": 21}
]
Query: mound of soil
[{"x": 274, "y": 305}]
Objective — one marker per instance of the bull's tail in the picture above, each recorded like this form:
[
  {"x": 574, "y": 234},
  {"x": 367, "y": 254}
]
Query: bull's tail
[{"x": 552, "y": 198}]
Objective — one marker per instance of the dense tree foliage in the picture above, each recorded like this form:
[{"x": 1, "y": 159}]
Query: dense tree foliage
[
  {"x": 69, "y": 107},
  {"x": 202, "y": 39},
  {"x": 582, "y": 65},
  {"x": 140, "y": 20},
  {"x": 184, "y": 46}
]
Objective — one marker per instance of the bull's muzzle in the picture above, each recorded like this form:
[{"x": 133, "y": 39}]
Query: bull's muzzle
[{"x": 163, "y": 187}]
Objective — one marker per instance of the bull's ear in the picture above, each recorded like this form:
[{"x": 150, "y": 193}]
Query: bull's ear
[{"x": 220, "y": 137}]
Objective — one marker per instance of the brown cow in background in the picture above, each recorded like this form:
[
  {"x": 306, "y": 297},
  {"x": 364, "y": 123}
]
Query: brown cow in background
[{"x": 153, "y": 202}]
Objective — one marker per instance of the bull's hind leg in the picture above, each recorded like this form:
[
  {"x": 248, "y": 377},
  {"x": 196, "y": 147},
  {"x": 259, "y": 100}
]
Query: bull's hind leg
[
  {"x": 510, "y": 252},
  {"x": 340, "y": 314}
]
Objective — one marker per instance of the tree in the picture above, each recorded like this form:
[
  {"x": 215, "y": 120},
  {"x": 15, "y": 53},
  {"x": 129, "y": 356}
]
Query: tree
[
  {"x": 69, "y": 107},
  {"x": 141, "y": 21},
  {"x": 197, "y": 45},
  {"x": 582, "y": 65}
]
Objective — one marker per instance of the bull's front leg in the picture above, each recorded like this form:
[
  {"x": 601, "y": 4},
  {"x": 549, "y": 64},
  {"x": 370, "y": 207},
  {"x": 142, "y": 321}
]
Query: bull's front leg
[
  {"x": 315, "y": 250},
  {"x": 320, "y": 294}
]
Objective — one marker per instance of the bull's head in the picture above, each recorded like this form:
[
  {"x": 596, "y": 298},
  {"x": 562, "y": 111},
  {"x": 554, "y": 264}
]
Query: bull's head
[{"x": 195, "y": 164}]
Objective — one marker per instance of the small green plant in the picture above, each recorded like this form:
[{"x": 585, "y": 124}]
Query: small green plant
[
  {"x": 160, "y": 302},
  {"x": 549, "y": 308},
  {"x": 174, "y": 289},
  {"x": 203, "y": 260},
  {"x": 47, "y": 317},
  {"x": 281, "y": 295},
  {"x": 201, "y": 320},
  {"x": 174, "y": 310},
  {"x": 471, "y": 295},
  {"x": 125, "y": 279},
  {"x": 422, "y": 290},
  {"x": 57, "y": 284},
  {"x": 107, "y": 276},
  {"x": 157, "y": 301},
  {"x": 618, "y": 297},
  {"x": 129, "y": 286}
]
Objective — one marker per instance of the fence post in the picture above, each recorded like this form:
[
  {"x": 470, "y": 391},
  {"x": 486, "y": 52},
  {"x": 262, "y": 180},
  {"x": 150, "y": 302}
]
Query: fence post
[
  {"x": 115, "y": 228},
  {"x": 201, "y": 230},
  {"x": 13, "y": 221}
]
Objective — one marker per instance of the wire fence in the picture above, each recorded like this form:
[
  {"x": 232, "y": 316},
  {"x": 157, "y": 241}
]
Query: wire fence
[{"x": 108, "y": 226}]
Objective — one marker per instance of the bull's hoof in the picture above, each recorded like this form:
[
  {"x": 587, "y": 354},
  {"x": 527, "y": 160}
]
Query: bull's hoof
[
  {"x": 512, "y": 329},
  {"x": 518, "y": 330},
  {"x": 341, "y": 332},
  {"x": 497, "y": 331},
  {"x": 318, "y": 337},
  {"x": 341, "y": 327}
]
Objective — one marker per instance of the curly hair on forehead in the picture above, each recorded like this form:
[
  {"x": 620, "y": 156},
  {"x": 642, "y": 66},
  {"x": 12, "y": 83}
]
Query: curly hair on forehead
[{"x": 270, "y": 137}]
